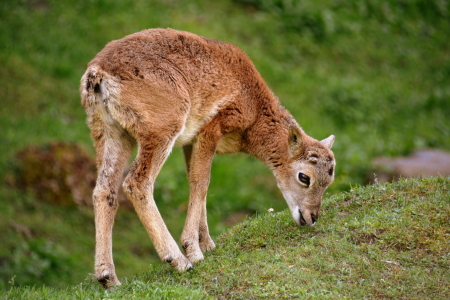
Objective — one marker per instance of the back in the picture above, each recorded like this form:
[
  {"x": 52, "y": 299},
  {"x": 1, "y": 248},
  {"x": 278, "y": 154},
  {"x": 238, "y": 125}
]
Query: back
[{"x": 197, "y": 62}]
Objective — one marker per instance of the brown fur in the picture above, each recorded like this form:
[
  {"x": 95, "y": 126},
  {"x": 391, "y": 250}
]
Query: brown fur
[{"x": 163, "y": 88}]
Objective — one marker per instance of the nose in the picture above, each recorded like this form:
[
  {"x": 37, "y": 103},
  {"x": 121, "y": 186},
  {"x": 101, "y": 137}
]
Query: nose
[
  {"x": 313, "y": 219},
  {"x": 307, "y": 218}
]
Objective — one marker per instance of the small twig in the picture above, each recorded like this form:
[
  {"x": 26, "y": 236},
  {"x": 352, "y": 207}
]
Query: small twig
[{"x": 391, "y": 262}]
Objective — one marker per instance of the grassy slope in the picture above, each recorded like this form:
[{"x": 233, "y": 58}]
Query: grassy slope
[
  {"x": 383, "y": 241},
  {"x": 375, "y": 74}
]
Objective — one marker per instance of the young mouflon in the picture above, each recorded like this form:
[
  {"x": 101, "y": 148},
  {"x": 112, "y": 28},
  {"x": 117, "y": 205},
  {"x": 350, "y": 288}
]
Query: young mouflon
[{"x": 161, "y": 88}]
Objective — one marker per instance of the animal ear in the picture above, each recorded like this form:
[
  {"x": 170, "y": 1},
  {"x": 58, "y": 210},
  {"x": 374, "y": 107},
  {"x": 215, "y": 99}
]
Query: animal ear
[
  {"x": 294, "y": 140},
  {"x": 328, "y": 142}
]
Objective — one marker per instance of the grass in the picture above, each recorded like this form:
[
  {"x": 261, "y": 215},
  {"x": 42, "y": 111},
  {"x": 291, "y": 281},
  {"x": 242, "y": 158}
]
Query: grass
[
  {"x": 385, "y": 241},
  {"x": 374, "y": 73}
]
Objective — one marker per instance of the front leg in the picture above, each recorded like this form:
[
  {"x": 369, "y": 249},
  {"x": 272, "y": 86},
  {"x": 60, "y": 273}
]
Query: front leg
[
  {"x": 195, "y": 237},
  {"x": 139, "y": 187},
  {"x": 205, "y": 240}
]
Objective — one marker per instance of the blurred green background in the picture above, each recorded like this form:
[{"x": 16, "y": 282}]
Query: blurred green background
[{"x": 375, "y": 73}]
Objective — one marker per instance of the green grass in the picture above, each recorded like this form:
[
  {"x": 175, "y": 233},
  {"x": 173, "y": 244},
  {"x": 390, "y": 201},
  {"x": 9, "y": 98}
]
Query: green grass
[
  {"x": 385, "y": 241},
  {"x": 374, "y": 73}
]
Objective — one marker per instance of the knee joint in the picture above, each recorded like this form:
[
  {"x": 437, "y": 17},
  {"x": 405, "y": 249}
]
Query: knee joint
[
  {"x": 136, "y": 189},
  {"x": 102, "y": 195}
]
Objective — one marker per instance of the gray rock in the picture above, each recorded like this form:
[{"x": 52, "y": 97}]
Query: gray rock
[{"x": 427, "y": 162}]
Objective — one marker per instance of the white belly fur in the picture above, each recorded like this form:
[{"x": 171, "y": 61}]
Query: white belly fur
[
  {"x": 229, "y": 144},
  {"x": 198, "y": 116},
  {"x": 189, "y": 132}
]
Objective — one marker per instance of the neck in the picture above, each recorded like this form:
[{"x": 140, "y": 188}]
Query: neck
[{"x": 267, "y": 139}]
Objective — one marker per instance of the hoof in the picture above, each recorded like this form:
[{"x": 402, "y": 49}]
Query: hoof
[
  {"x": 193, "y": 253},
  {"x": 106, "y": 276},
  {"x": 207, "y": 244},
  {"x": 181, "y": 264},
  {"x": 195, "y": 256},
  {"x": 108, "y": 281}
]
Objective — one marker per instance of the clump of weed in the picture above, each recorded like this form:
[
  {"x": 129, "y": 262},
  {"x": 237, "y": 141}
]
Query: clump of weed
[{"x": 58, "y": 173}]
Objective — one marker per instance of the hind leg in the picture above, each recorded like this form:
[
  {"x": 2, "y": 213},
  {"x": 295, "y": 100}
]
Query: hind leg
[{"x": 113, "y": 151}]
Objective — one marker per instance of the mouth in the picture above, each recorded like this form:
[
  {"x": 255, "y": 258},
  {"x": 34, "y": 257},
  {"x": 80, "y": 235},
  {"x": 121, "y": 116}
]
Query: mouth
[
  {"x": 310, "y": 220},
  {"x": 302, "y": 219}
]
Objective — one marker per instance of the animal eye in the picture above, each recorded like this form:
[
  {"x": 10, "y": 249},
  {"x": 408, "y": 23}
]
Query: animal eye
[{"x": 304, "y": 179}]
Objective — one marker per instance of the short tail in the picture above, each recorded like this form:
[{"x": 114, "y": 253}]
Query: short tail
[{"x": 91, "y": 86}]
